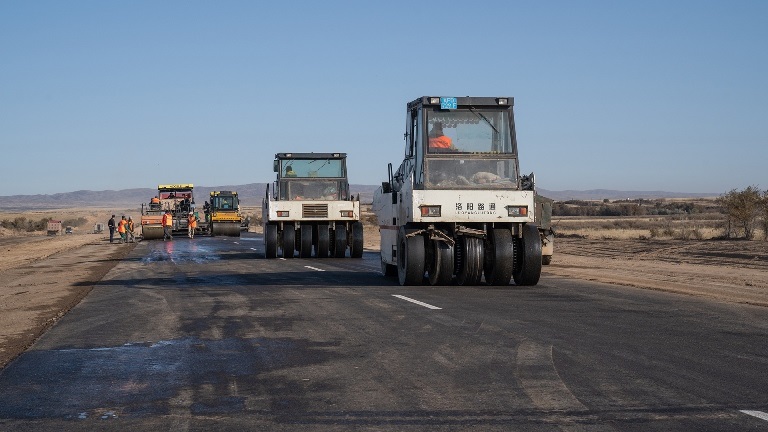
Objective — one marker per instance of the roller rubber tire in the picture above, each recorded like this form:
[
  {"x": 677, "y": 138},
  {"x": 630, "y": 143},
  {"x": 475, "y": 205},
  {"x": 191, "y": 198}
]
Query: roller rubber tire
[
  {"x": 528, "y": 271},
  {"x": 340, "y": 241},
  {"x": 305, "y": 244},
  {"x": 499, "y": 257},
  {"x": 270, "y": 241},
  {"x": 439, "y": 262},
  {"x": 471, "y": 271},
  {"x": 289, "y": 240},
  {"x": 323, "y": 237},
  {"x": 410, "y": 258},
  {"x": 356, "y": 249}
]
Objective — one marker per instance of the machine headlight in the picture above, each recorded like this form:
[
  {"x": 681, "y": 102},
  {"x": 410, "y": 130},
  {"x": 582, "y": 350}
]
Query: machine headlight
[
  {"x": 434, "y": 100},
  {"x": 502, "y": 101},
  {"x": 346, "y": 213},
  {"x": 283, "y": 213},
  {"x": 430, "y": 211},
  {"x": 516, "y": 211}
]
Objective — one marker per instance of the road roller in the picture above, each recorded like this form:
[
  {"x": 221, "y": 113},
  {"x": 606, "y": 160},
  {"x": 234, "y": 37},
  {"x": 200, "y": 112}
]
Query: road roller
[
  {"x": 223, "y": 214},
  {"x": 178, "y": 198},
  {"x": 457, "y": 210},
  {"x": 309, "y": 209}
]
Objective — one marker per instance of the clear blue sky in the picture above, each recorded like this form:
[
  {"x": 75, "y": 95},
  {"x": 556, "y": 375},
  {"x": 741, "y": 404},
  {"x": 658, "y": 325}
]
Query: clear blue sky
[{"x": 651, "y": 95}]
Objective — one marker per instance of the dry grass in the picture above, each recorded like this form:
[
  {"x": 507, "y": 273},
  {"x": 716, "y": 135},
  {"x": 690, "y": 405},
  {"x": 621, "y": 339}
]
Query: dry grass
[{"x": 692, "y": 227}]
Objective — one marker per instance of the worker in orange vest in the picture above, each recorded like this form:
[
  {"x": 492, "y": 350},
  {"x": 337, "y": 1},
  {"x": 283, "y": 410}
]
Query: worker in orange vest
[
  {"x": 438, "y": 142},
  {"x": 121, "y": 228},
  {"x": 167, "y": 226},
  {"x": 191, "y": 225}
]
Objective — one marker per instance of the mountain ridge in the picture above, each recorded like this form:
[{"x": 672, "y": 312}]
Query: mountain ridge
[{"x": 252, "y": 193}]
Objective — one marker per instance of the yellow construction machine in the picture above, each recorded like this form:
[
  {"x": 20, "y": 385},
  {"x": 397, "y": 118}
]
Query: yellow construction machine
[{"x": 222, "y": 214}]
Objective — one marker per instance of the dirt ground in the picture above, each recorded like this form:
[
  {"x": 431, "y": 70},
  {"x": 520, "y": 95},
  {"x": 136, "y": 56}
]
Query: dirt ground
[{"x": 42, "y": 277}]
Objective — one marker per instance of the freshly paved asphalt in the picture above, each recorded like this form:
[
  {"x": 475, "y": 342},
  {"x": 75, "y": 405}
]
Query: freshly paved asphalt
[{"x": 207, "y": 334}]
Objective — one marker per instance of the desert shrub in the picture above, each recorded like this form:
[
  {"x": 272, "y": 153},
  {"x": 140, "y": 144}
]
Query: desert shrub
[
  {"x": 6, "y": 224},
  {"x": 654, "y": 232},
  {"x": 742, "y": 209},
  {"x": 697, "y": 233},
  {"x": 683, "y": 234},
  {"x": 765, "y": 214}
]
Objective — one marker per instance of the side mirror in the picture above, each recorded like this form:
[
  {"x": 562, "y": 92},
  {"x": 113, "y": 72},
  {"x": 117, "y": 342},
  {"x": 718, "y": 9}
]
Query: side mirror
[{"x": 275, "y": 165}]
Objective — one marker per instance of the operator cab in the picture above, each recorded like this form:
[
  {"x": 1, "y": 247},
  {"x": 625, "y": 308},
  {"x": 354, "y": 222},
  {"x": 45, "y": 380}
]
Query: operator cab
[
  {"x": 311, "y": 176},
  {"x": 224, "y": 200},
  {"x": 461, "y": 143}
]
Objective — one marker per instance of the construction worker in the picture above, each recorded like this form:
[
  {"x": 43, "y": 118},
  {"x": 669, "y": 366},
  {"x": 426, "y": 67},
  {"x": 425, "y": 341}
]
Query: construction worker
[
  {"x": 191, "y": 225},
  {"x": 167, "y": 226},
  {"x": 129, "y": 230},
  {"x": 111, "y": 225},
  {"x": 438, "y": 142},
  {"x": 289, "y": 172},
  {"x": 121, "y": 229}
]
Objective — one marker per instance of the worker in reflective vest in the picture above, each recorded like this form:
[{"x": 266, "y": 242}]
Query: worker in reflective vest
[
  {"x": 191, "y": 225},
  {"x": 438, "y": 141},
  {"x": 121, "y": 229},
  {"x": 167, "y": 226}
]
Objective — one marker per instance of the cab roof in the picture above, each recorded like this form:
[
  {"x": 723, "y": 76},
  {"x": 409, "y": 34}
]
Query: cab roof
[
  {"x": 466, "y": 101},
  {"x": 310, "y": 155}
]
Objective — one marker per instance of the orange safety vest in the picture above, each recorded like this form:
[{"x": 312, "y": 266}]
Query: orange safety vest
[
  {"x": 154, "y": 200},
  {"x": 167, "y": 220},
  {"x": 440, "y": 142},
  {"x": 192, "y": 222},
  {"x": 121, "y": 226}
]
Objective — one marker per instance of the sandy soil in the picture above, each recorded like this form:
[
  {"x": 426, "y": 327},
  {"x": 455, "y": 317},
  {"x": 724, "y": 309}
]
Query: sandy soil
[
  {"x": 726, "y": 270},
  {"x": 42, "y": 277}
]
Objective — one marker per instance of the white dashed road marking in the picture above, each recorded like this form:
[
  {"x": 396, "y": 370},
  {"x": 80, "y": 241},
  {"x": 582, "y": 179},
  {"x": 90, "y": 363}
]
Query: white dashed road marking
[
  {"x": 314, "y": 268},
  {"x": 759, "y": 414},
  {"x": 426, "y": 305}
]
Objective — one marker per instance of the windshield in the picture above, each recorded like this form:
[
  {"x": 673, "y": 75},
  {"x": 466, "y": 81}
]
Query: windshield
[
  {"x": 300, "y": 190},
  {"x": 312, "y": 168},
  {"x": 224, "y": 202},
  {"x": 469, "y": 131},
  {"x": 176, "y": 194},
  {"x": 470, "y": 174}
]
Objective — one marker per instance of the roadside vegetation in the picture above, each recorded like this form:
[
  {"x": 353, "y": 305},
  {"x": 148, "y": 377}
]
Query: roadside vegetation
[
  {"x": 21, "y": 223},
  {"x": 734, "y": 215}
]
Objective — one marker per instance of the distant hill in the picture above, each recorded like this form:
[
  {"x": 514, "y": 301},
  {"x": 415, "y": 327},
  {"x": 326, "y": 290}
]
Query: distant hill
[{"x": 251, "y": 195}]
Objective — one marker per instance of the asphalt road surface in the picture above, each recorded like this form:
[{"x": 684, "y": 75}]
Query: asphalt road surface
[{"x": 207, "y": 334}]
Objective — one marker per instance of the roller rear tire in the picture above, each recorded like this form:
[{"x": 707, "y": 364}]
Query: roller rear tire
[
  {"x": 499, "y": 257},
  {"x": 340, "y": 241},
  {"x": 356, "y": 249},
  {"x": 322, "y": 241},
  {"x": 528, "y": 268},
  {"x": 305, "y": 246},
  {"x": 270, "y": 241},
  {"x": 289, "y": 240},
  {"x": 439, "y": 262},
  {"x": 410, "y": 258},
  {"x": 471, "y": 270}
]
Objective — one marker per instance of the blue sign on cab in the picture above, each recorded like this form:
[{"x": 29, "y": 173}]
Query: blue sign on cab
[{"x": 448, "y": 103}]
